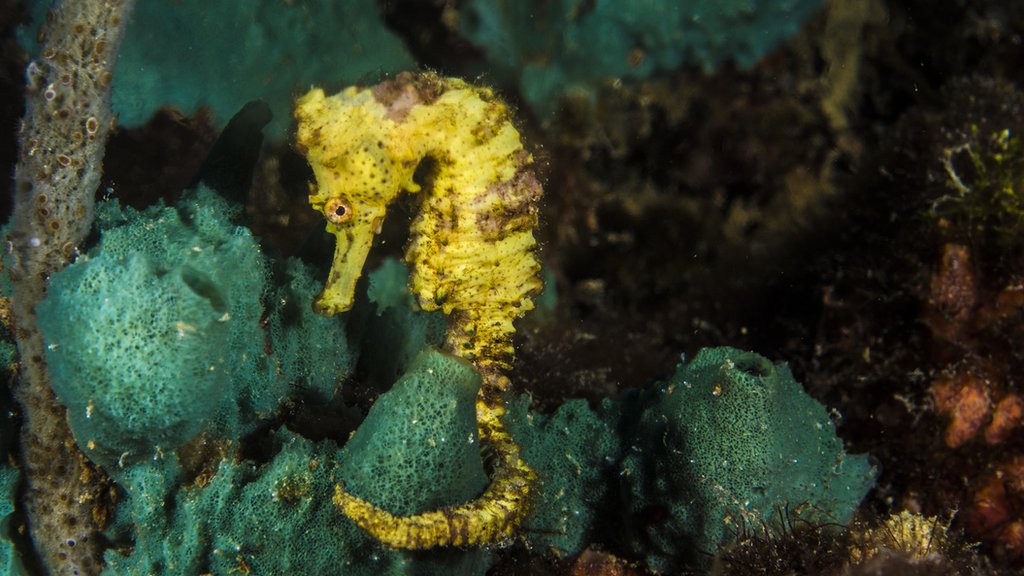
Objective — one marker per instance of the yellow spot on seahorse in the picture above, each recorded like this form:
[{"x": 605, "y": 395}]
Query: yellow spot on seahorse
[{"x": 471, "y": 254}]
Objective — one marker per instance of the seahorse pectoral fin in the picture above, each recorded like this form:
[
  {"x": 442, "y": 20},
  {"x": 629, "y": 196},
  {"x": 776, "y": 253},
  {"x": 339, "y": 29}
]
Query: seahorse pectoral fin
[{"x": 353, "y": 244}]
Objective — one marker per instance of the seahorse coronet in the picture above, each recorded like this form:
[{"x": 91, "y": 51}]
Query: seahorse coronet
[{"x": 471, "y": 255}]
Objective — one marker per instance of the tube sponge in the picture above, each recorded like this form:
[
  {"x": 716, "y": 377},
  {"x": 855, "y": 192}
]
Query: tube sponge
[
  {"x": 419, "y": 450},
  {"x": 170, "y": 336},
  {"x": 725, "y": 446},
  {"x": 142, "y": 365}
]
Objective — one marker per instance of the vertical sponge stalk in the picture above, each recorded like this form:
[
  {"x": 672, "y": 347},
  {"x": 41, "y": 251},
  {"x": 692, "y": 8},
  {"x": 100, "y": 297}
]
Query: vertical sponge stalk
[{"x": 61, "y": 144}]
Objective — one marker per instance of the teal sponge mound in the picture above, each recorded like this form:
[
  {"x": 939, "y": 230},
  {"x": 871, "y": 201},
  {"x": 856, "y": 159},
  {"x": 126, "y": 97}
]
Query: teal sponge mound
[
  {"x": 142, "y": 348},
  {"x": 165, "y": 321},
  {"x": 574, "y": 453},
  {"x": 417, "y": 451},
  {"x": 309, "y": 351},
  {"x": 729, "y": 442},
  {"x": 171, "y": 335},
  {"x": 271, "y": 519},
  {"x": 563, "y": 46},
  {"x": 427, "y": 425},
  {"x": 10, "y": 563}
]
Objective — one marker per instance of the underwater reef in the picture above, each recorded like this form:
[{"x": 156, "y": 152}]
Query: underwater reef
[{"x": 487, "y": 287}]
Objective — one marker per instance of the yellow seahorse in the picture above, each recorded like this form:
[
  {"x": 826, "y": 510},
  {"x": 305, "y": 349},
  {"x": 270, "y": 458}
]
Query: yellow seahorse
[{"x": 471, "y": 255}]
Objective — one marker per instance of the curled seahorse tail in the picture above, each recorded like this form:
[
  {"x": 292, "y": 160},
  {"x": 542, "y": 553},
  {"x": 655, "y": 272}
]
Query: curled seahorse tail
[{"x": 492, "y": 518}]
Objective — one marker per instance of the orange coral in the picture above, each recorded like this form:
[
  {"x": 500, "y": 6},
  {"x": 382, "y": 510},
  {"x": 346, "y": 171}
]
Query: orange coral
[
  {"x": 595, "y": 562},
  {"x": 965, "y": 398},
  {"x": 973, "y": 394},
  {"x": 1009, "y": 414},
  {"x": 974, "y": 322},
  {"x": 953, "y": 294}
]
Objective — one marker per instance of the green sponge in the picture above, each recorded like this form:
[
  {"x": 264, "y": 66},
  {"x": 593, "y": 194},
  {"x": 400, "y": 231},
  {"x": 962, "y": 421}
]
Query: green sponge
[
  {"x": 143, "y": 348},
  {"x": 574, "y": 453},
  {"x": 311, "y": 350},
  {"x": 725, "y": 446},
  {"x": 171, "y": 336},
  {"x": 559, "y": 47},
  {"x": 419, "y": 450},
  {"x": 191, "y": 53},
  {"x": 416, "y": 451}
]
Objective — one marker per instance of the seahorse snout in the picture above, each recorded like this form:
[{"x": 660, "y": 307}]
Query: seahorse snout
[{"x": 353, "y": 244}]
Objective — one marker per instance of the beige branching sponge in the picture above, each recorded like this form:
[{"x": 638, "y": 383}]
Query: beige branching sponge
[
  {"x": 471, "y": 253},
  {"x": 61, "y": 146}
]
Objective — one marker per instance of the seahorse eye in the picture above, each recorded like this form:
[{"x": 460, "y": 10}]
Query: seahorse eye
[{"x": 338, "y": 210}]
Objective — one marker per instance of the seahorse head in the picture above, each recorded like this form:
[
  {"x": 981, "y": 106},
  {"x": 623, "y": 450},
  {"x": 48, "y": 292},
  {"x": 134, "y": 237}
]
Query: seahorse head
[{"x": 345, "y": 141}]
